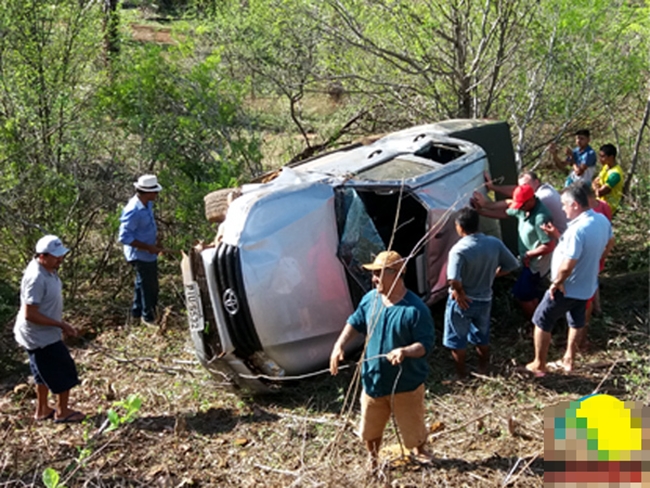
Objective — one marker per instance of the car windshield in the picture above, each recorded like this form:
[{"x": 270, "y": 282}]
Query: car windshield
[{"x": 403, "y": 167}]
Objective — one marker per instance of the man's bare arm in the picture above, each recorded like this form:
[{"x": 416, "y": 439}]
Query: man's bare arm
[{"x": 338, "y": 353}]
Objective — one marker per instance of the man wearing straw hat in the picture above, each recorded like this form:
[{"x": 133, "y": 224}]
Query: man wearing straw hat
[
  {"x": 399, "y": 335},
  {"x": 139, "y": 234}
]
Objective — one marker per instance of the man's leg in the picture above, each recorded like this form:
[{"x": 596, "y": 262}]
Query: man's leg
[
  {"x": 456, "y": 328},
  {"x": 375, "y": 413},
  {"x": 373, "y": 446},
  {"x": 136, "y": 307},
  {"x": 409, "y": 413},
  {"x": 62, "y": 408},
  {"x": 148, "y": 272},
  {"x": 63, "y": 411},
  {"x": 542, "y": 342},
  {"x": 483, "y": 358},
  {"x": 459, "y": 360},
  {"x": 576, "y": 318},
  {"x": 43, "y": 410},
  {"x": 574, "y": 338},
  {"x": 528, "y": 307},
  {"x": 480, "y": 332}
]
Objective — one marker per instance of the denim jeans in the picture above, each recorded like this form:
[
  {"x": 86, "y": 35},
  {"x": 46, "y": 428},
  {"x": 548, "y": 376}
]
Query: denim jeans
[{"x": 145, "y": 297}]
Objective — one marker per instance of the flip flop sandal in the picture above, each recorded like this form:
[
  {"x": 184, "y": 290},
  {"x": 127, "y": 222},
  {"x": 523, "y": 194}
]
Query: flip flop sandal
[
  {"x": 559, "y": 365},
  {"x": 529, "y": 373},
  {"x": 49, "y": 416},
  {"x": 72, "y": 418}
]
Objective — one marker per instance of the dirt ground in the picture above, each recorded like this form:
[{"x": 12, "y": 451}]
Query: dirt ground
[{"x": 195, "y": 430}]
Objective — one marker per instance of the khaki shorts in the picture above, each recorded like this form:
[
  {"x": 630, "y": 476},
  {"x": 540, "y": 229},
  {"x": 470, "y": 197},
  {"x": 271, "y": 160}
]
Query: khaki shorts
[{"x": 409, "y": 414}]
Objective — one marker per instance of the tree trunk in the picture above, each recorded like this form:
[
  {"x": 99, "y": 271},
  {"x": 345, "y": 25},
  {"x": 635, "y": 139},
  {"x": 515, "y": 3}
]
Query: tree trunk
[
  {"x": 637, "y": 146},
  {"x": 111, "y": 31}
]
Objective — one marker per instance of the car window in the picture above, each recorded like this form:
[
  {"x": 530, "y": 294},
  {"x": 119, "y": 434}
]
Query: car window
[{"x": 402, "y": 167}]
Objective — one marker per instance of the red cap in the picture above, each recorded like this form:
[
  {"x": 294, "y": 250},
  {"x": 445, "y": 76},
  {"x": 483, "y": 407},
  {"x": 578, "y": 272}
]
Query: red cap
[{"x": 521, "y": 195}]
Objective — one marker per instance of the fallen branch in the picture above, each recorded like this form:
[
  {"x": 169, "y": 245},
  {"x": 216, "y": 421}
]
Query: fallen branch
[
  {"x": 275, "y": 470},
  {"x": 461, "y": 426},
  {"x": 531, "y": 461},
  {"x": 605, "y": 377},
  {"x": 319, "y": 420}
]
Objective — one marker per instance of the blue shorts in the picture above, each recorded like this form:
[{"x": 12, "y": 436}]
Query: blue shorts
[
  {"x": 526, "y": 288},
  {"x": 471, "y": 325},
  {"x": 53, "y": 367},
  {"x": 550, "y": 310}
]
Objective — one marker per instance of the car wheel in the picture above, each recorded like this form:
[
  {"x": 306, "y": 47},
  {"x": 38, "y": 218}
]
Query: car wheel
[{"x": 217, "y": 202}]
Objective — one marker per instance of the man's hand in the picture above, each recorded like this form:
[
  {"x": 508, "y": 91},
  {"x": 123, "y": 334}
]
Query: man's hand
[
  {"x": 336, "y": 356},
  {"x": 525, "y": 260},
  {"x": 461, "y": 299},
  {"x": 155, "y": 249},
  {"x": 555, "y": 287},
  {"x": 478, "y": 200},
  {"x": 550, "y": 230},
  {"x": 69, "y": 330},
  {"x": 396, "y": 356},
  {"x": 489, "y": 184}
]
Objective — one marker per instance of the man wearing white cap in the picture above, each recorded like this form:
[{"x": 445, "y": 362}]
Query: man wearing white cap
[
  {"x": 39, "y": 329},
  {"x": 139, "y": 234},
  {"x": 399, "y": 335}
]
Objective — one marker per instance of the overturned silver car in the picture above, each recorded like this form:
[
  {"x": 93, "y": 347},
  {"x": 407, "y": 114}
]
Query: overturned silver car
[{"x": 269, "y": 300}]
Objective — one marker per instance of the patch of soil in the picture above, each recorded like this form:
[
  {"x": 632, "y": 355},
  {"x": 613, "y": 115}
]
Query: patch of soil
[
  {"x": 193, "y": 430},
  {"x": 150, "y": 33}
]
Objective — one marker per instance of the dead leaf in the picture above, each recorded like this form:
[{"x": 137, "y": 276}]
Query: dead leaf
[
  {"x": 21, "y": 388},
  {"x": 512, "y": 425},
  {"x": 436, "y": 427},
  {"x": 241, "y": 442}
]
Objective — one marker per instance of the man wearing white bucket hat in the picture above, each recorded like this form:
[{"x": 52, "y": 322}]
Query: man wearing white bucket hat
[
  {"x": 39, "y": 329},
  {"x": 139, "y": 234}
]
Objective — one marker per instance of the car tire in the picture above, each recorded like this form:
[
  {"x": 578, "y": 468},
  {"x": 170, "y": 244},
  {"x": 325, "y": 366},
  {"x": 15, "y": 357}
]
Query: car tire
[{"x": 217, "y": 203}]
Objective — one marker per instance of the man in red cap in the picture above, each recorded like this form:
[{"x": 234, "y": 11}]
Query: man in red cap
[{"x": 535, "y": 246}]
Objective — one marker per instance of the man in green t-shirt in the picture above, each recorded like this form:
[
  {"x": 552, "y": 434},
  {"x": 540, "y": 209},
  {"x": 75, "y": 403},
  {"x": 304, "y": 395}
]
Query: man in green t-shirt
[
  {"x": 535, "y": 246},
  {"x": 399, "y": 335}
]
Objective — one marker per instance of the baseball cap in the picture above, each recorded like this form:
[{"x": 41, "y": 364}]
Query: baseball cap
[
  {"x": 386, "y": 259},
  {"x": 51, "y": 245},
  {"x": 521, "y": 195}
]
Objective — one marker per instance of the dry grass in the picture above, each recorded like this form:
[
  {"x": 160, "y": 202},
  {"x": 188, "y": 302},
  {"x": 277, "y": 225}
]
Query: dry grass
[{"x": 195, "y": 430}]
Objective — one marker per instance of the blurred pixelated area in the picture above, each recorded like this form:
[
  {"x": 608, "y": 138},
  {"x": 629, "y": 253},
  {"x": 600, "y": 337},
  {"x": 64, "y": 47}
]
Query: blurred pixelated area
[{"x": 597, "y": 441}]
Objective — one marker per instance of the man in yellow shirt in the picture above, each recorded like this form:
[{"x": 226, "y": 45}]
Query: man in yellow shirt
[{"x": 608, "y": 185}]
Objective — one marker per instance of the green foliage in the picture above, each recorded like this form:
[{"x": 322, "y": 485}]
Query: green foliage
[
  {"x": 51, "y": 478},
  {"x": 197, "y": 112},
  {"x": 189, "y": 127},
  {"x": 130, "y": 406}
]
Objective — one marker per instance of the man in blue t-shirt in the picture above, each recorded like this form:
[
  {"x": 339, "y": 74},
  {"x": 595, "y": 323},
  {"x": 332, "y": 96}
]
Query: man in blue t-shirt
[
  {"x": 474, "y": 261},
  {"x": 574, "y": 276},
  {"x": 582, "y": 159},
  {"x": 139, "y": 234},
  {"x": 399, "y": 335}
]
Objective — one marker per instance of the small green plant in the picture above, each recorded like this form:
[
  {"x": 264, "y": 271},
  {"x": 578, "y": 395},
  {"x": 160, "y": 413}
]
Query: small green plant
[
  {"x": 131, "y": 406},
  {"x": 51, "y": 478}
]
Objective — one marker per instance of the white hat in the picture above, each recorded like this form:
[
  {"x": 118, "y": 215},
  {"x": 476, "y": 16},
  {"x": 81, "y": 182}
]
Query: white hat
[
  {"x": 147, "y": 183},
  {"x": 51, "y": 245}
]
